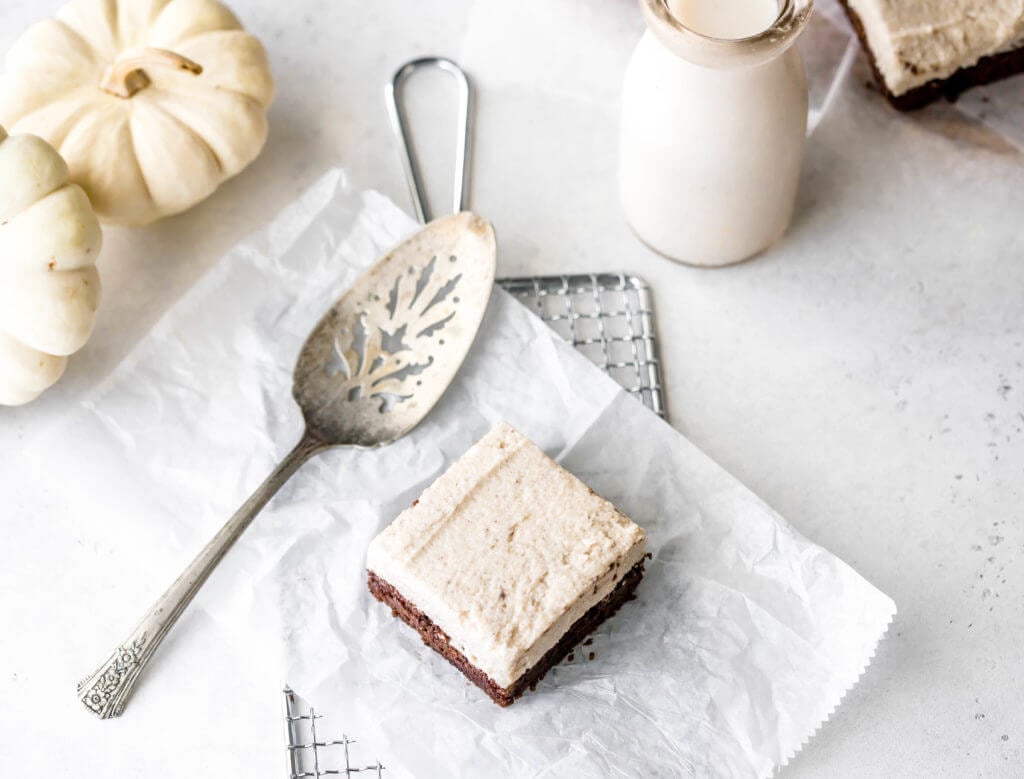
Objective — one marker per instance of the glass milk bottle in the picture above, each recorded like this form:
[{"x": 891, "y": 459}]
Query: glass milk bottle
[{"x": 714, "y": 114}]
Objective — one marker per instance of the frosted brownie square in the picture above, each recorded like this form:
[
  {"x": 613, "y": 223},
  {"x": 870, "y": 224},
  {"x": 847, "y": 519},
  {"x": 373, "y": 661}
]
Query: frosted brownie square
[
  {"x": 505, "y": 563},
  {"x": 921, "y": 50}
]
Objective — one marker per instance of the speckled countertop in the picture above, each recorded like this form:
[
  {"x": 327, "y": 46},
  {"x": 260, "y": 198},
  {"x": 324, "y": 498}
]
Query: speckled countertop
[{"x": 865, "y": 376}]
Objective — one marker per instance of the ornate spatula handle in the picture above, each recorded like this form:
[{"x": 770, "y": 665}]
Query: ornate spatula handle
[{"x": 106, "y": 691}]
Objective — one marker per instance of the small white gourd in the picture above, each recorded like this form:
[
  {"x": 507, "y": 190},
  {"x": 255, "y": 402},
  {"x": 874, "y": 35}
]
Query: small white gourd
[
  {"x": 49, "y": 286},
  {"x": 153, "y": 103}
]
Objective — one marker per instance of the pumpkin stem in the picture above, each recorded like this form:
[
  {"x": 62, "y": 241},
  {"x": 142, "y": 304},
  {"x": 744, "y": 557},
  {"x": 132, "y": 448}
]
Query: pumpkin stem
[{"x": 127, "y": 76}]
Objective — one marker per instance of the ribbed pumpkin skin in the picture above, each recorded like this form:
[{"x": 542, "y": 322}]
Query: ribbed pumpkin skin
[
  {"x": 49, "y": 286},
  {"x": 171, "y": 143}
]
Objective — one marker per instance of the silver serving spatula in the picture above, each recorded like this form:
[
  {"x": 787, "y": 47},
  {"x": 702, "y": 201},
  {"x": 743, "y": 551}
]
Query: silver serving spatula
[{"x": 371, "y": 370}]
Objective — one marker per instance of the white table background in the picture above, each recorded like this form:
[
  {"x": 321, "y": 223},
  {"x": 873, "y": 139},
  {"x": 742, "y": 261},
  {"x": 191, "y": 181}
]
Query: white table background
[{"x": 874, "y": 395}]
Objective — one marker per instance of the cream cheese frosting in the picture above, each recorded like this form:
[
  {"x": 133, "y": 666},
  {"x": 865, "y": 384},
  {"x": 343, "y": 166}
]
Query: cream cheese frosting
[
  {"x": 505, "y": 551},
  {"x": 916, "y": 41}
]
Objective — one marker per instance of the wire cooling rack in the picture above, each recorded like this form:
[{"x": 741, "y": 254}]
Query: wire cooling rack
[
  {"x": 609, "y": 317},
  {"x": 310, "y": 755}
]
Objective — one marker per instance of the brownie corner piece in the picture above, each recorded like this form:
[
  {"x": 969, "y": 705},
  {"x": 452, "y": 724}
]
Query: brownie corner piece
[{"x": 999, "y": 63}]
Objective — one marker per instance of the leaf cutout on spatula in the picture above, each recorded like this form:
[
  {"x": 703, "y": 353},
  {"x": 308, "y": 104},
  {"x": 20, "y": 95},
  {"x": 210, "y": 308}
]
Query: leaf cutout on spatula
[{"x": 394, "y": 339}]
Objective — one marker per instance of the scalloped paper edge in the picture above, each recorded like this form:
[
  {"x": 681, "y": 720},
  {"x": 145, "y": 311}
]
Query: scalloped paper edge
[{"x": 848, "y": 684}]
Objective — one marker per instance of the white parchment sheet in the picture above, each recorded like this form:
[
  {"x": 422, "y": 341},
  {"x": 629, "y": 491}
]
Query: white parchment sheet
[{"x": 744, "y": 635}]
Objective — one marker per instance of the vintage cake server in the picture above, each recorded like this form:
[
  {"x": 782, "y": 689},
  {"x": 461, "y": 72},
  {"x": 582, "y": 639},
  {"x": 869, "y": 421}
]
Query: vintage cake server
[{"x": 371, "y": 370}]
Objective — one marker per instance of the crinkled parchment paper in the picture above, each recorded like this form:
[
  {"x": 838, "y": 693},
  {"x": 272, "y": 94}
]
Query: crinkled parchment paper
[{"x": 744, "y": 635}]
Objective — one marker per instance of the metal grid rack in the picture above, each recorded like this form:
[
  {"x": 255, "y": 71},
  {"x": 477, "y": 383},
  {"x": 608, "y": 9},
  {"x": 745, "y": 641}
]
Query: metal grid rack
[
  {"x": 609, "y": 317},
  {"x": 310, "y": 756}
]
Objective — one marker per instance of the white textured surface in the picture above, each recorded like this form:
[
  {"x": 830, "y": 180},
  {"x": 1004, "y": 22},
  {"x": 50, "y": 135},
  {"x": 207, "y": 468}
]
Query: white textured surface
[
  {"x": 505, "y": 551},
  {"x": 865, "y": 377}
]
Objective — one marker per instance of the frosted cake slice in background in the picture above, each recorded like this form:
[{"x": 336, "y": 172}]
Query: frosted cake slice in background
[{"x": 922, "y": 50}]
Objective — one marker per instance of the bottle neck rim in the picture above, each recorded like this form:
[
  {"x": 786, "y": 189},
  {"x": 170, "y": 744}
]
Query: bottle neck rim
[{"x": 727, "y": 52}]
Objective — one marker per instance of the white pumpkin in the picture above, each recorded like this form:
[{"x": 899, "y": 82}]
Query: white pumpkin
[
  {"x": 49, "y": 287},
  {"x": 153, "y": 103}
]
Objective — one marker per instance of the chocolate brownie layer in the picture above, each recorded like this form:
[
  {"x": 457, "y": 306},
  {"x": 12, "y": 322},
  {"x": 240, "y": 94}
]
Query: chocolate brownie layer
[
  {"x": 984, "y": 71},
  {"x": 437, "y": 640}
]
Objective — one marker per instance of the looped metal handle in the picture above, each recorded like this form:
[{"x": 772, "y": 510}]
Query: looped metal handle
[{"x": 400, "y": 127}]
